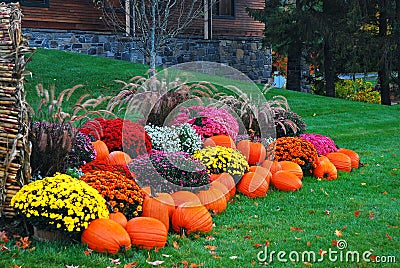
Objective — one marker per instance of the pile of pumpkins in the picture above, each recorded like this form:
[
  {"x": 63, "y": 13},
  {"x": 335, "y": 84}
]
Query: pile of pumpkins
[{"x": 185, "y": 212}]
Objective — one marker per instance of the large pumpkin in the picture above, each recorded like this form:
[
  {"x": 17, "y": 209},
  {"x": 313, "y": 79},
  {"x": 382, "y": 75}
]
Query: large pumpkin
[
  {"x": 341, "y": 161},
  {"x": 273, "y": 166},
  {"x": 220, "y": 140},
  {"x": 286, "y": 181},
  {"x": 265, "y": 173},
  {"x": 190, "y": 217},
  {"x": 227, "y": 180},
  {"x": 253, "y": 185},
  {"x": 101, "y": 150},
  {"x": 253, "y": 151},
  {"x": 106, "y": 236},
  {"x": 325, "y": 170},
  {"x": 154, "y": 208},
  {"x": 119, "y": 158},
  {"x": 118, "y": 217},
  {"x": 147, "y": 232},
  {"x": 213, "y": 199},
  {"x": 292, "y": 167},
  {"x": 181, "y": 197},
  {"x": 168, "y": 201},
  {"x": 355, "y": 158},
  {"x": 218, "y": 185}
]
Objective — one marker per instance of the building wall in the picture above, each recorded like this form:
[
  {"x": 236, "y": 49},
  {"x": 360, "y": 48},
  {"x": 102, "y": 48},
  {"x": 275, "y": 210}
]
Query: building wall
[{"x": 243, "y": 53}]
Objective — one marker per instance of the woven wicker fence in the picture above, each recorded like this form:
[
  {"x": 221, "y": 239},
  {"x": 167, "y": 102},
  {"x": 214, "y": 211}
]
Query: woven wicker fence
[{"x": 14, "y": 144}]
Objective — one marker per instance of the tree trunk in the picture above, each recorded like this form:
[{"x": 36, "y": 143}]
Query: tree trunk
[
  {"x": 294, "y": 68},
  {"x": 397, "y": 38},
  {"x": 153, "y": 52},
  {"x": 384, "y": 73},
  {"x": 329, "y": 69}
]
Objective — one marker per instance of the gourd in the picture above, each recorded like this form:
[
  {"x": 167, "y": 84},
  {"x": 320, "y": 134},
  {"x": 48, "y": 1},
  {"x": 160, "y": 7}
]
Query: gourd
[
  {"x": 325, "y": 170},
  {"x": 253, "y": 185},
  {"x": 101, "y": 149},
  {"x": 147, "y": 232},
  {"x": 118, "y": 217},
  {"x": 154, "y": 208},
  {"x": 190, "y": 217},
  {"x": 286, "y": 181},
  {"x": 119, "y": 158},
  {"x": 354, "y": 157},
  {"x": 227, "y": 180}
]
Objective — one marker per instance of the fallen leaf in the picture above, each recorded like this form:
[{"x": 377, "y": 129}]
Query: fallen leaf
[
  {"x": 373, "y": 258},
  {"x": 3, "y": 237},
  {"x": 3, "y": 247},
  {"x": 393, "y": 226},
  {"x": 155, "y": 263},
  {"x": 363, "y": 184},
  {"x": 318, "y": 236},
  {"x": 308, "y": 244},
  {"x": 23, "y": 242},
  {"x": 233, "y": 257},
  {"x": 311, "y": 212},
  {"x": 131, "y": 265},
  {"x": 338, "y": 233},
  {"x": 166, "y": 255},
  {"x": 296, "y": 229},
  {"x": 195, "y": 265},
  {"x": 176, "y": 245},
  {"x": 297, "y": 238},
  {"x": 88, "y": 251},
  {"x": 344, "y": 228},
  {"x": 371, "y": 215},
  {"x": 389, "y": 237},
  {"x": 322, "y": 252},
  {"x": 267, "y": 243},
  {"x": 71, "y": 266},
  {"x": 256, "y": 203},
  {"x": 257, "y": 245},
  {"x": 384, "y": 192},
  {"x": 327, "y": 212},
  {"x": 114, "y": 261},
  {"x": 196, "y": 236},
  {"x": 211, "y": 248},
  {"x": 357, "y": 213},
  {"x": 247, "y": 237},
  {"x": 334, "y": 243},
  {"x": 16, "y": 266},
  {"x": 307, "y": 263},
  {"x": 210, "y": 238}
]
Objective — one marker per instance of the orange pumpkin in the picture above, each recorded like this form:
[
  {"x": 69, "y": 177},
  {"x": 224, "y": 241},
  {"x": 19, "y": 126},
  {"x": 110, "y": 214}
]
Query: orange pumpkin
[
  {"x": 355, "y": 158},
  {"x": 286, "y": 181},
  {"x": 213, "y": 199},
  {"x": 341, "y": 161},
  {"x": 118, "y": 217},
  {"x": 218, "y": 185},
  {"x": 265, "y": 173},
  {"x": 106, "y": 236},
  {"x": 119, "y": 158},
  {"x": 292, "y": 167},
  {"x": 253, "y": 151},
  {"x": 147, "y": 190},
  {"x": 147, "y": 232},
  {"x": 273, "y": 166},
  {"x": 154, "y": 208},
  {"x": 321, "y": 159},
  {"x": 181, "y": 197},
  {"x": 253, "y": 185},
  {"x": 227, "y": 180},
  {"x": 168, "y": 201},
  {"x": 220, "y": 140},
  {"x": 325, "y": 170},
  {"x": 101, "y": 150},
  {"x": 190, "y": 217}
]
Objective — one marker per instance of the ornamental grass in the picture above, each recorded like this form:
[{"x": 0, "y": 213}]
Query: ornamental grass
[
  {"x": 60, "y": 203},
  {"x": 297, "y": 150},
  {"x": 220, "y": 159},
  {"x": 121, "y": 192}
]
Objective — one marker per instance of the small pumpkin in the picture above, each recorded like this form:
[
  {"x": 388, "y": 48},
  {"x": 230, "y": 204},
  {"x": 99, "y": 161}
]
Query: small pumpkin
[
  {"x": 355, "y": 158},
  {"x": 118, "y": 217},
  {"x": 190, "y": 217},
  {"x": 325, "y": 170},
  {"x": 168, "y": 201},
  {"x": 218, "y": 185},
  {"x": 253, "y": 185},
  {"x": 106, "y": 236},
  {"x": 181, "y": 197},
  {"x": 154, "y": 208},
  {"x": 286, "y": 181},
  {"x": 254, "y": 152},
  {"x": 101, "y": 149},
  {"x": 321, "y": 159},
  {"x": 220, "y": 140},
  {"x": 119, "y": 158},
  {"x": 213, "y": 199},
  {"x": 273, "y": 166},
  {"x": 292, "y": 167},
  {"x": 341, "y": 161},
  {"x": 227, "y": 180},
  {"x": 147, "y": 232}
]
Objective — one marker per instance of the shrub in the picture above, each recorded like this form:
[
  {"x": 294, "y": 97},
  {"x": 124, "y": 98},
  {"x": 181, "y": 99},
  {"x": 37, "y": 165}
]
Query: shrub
[
  {"x": 122, "y": 193},
  {"x": 60, "y": 203},
  {"x": 168, "y": 172},
  {"x": 322, "y": 144},
  {"x": 357, "y": 90},
  {"x": 288, "y": 123},
  {"x": 297, "y": 150},
  {"x": 220, "y": 159}
]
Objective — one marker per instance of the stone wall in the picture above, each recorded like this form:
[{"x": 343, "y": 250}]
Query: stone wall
[{"x": 244, "y": 54}]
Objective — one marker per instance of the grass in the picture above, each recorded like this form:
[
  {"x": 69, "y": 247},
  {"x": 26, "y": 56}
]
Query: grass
[{"x": 308, "y": 220}]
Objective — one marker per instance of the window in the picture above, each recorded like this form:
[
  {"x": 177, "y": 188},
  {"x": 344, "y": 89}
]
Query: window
[
  {"x": 31, "y": 3},
  {"x": 224, "y": 8}
]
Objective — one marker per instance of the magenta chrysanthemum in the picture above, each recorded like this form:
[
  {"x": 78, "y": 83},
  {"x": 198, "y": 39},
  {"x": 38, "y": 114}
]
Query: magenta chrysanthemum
[{"x": 322, "y": 144}]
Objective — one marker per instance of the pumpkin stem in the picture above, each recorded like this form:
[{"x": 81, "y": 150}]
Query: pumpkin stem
[
  {"x": 110, "y": 208},
  {"x": 182, "y": 232},
  {"x": 122, "y": 249}
]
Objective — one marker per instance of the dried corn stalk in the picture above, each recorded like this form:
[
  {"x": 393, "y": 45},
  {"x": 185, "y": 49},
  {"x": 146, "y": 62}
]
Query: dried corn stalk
[{"x": 14, "y": 144}]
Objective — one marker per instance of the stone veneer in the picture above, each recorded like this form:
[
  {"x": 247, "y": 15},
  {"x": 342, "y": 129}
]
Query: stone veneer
[{"x": 243, "y": 53}]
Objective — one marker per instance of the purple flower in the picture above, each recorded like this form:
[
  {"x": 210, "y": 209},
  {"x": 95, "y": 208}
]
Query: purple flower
[{"x": 322, "y": 144}]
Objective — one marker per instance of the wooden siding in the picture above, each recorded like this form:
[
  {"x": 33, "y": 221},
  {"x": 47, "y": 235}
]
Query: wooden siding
[
  {"x": 82, "y": 15},
  {"x": 64, "y": 15}
]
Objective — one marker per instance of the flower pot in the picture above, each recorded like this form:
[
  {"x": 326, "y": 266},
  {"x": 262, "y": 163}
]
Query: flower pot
[{"x": 45, "y": 235}]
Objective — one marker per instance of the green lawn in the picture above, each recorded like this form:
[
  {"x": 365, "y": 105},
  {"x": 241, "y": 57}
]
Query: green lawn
[{"x": 362, "y": 206}]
